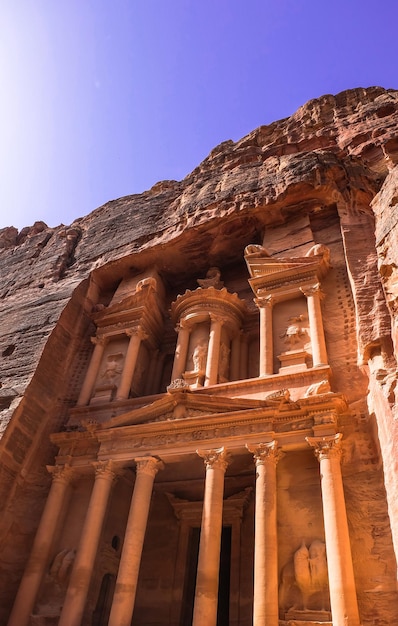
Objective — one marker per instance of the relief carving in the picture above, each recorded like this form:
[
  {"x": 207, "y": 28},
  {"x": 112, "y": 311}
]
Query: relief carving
[
  {"x": 55, "y": 584},
  {"x": 304, "y": 586}
]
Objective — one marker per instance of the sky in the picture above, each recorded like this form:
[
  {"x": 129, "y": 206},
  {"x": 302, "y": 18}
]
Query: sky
[{"x": 103, "y": 98}]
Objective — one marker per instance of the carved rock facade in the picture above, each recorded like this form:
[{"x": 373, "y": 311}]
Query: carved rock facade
[{"x": 198, "y": 393}]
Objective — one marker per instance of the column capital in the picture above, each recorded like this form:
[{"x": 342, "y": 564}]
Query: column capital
[
  {"x": 98, "y": 341},
  {"x": 60, "y": 473},
  {"x": 311, "y": 290},
  {"x": 216, "y": 318},
  {"x": 136, "y": 331},
  {"x": 183, "y": 324},
  {"x": 215, "y": 458},
  {"x": 148, "y": 465},
  {"x": 264, "y": 302},
  {"x": 326, "y": 447},
  {"x": 104, "y": 469},
  {"x": 265, "y": 452}
]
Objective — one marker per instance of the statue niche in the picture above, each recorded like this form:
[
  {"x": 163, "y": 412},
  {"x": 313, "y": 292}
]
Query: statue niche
[{"x": 304, "y": 589}]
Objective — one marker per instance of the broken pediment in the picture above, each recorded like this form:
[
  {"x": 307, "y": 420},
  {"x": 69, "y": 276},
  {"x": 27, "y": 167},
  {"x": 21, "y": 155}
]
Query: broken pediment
[{"x": 268, "y": 273}]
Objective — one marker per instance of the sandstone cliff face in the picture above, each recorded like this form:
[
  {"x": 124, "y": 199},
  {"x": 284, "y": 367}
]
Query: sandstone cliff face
[{"x": 333, "y": 160}]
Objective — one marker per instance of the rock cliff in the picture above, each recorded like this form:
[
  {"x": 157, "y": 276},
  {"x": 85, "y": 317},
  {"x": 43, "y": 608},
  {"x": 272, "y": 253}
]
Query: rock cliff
[{"x": 334, "y": 158}]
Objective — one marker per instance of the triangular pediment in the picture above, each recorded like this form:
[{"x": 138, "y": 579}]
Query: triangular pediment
[{"x": 181, "y": 405}]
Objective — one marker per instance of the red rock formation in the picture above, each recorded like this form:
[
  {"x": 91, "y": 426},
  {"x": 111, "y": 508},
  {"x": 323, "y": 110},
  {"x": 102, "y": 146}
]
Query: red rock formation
[{"x": 325, "y": 175}]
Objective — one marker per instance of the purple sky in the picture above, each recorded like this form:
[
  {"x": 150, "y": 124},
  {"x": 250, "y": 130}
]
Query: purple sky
[{"x": 103, "y": 98}]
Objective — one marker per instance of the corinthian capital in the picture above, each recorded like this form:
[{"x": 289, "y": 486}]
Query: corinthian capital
[
  {"x": 265, "y": 452},
  {"x": 264, "y": 302},
  {"x": 104, "y": 469},
  {"x": 148, "y": 465},
  {"x": 326, "y": 447},
  {"x": 137, "y": 331},
  {"x": 214, "y": 459},
  {"x": 98, "y": 341},
  {"x": 60, "y": 473},
  {"x": 311, "y": 290}
]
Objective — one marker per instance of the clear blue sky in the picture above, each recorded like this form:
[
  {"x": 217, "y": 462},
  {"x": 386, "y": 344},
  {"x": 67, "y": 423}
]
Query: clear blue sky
[{"x": 103, "y": 98}]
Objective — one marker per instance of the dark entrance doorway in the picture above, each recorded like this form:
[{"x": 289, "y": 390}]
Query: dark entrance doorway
[{"x": 224, "y": 578}]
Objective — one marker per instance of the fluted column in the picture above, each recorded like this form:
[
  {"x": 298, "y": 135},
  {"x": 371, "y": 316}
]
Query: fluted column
[
  {"x": 213, "y": 353},
  {"x": 265, "y": 601},
  {"x": 343, "y": 599},
  {"x": 266, "y": 338},
  {"x": 181, "y": 353},
  {"x": 79, "y": 583},
  {"x": 127, "y": 578},
  {"x": 235, "y": 356},
  {"x": 92, "y": 372},
  {"x": 136, "y": 336},
  {"x": 206, "y": 593},
  {"x": 40, "y": 554},
  {"x": 319, "y": 354}
]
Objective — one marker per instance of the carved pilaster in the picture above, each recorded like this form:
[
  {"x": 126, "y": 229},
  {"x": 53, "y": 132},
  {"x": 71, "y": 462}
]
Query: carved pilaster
[
  {"x": 136, "y": 334},
  {"x": 314, "y": 294},
  {"x": 93, "y": 369},
  {"x": 265, "y": 305},
  {"x": 183, "y": 329}
]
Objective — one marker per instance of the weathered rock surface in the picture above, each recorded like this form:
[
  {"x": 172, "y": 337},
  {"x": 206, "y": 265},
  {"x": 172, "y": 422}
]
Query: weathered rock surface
[{"x": 333, "y": 160}]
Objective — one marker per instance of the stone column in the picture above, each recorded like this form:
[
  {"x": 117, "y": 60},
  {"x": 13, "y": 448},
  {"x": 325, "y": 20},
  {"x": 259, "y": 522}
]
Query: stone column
[
  {"x": 266, "y": 338},
  {"x": 213, "y": 353},
  {"x": 92, "y": 372},
  {"x": 40, "y": 554},
  {"x": 181, "y": 353},
  {"x": 265, "y": 602},
  {"x": 206, "y": 593},
  {"x": 73, "y": 608},
  {"x": 136, "y": 336},
  {"x": 235, "y": 356},
  {"x": 244, "y": 356},
  {"x": 319, "y": 354},
  {"x": 127, "y": 578},
  {"x": 343, "y": 599}
]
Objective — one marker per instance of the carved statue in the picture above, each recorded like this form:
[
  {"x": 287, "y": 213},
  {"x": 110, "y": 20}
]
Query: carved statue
[
  {"x": 149, "y": 281},
  {"x": 256, "y": 249},
  {"x": 61, "y": 565},
  {"x": 112, "y": 369},
  {"x": 302, "y": 573},
  {"x": 304, "y": 581},
  {"x": 199, "y": 357},
  {"x": 223, "y": 364},
  {"x": 319, "y": 570},
  {"x": 318, "y": 388},
  {"x": 319, "y": 249},
  {"x": 212, "y": 279},
  {"x": 294, "y": 333}
]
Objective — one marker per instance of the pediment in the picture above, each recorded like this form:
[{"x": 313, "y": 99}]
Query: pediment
[
  {"x": 267, "y": 270},
  {"x": 181, "y": 405}
]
